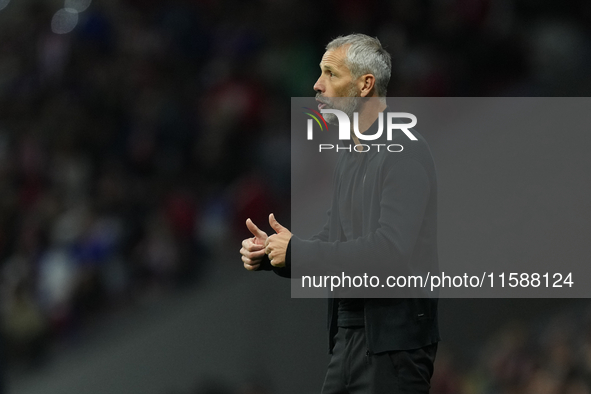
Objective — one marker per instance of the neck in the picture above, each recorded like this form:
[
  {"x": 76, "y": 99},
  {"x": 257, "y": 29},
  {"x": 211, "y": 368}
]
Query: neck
[{"x": 368, "y": 113}]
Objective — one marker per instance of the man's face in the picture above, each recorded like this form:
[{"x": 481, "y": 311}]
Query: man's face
[{"x": 336, "y": 82}]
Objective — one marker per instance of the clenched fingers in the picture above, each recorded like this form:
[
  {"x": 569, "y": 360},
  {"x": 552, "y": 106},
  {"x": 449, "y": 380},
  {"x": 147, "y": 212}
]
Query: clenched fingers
[
  {"x": 249, "y": 264},
  {"x": 249, "y": 245},
  {"x": 257, "y": 254}
]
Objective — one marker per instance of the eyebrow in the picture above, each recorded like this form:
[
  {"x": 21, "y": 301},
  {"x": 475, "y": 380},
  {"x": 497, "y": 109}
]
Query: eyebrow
[{"x": 326, "y": 66}]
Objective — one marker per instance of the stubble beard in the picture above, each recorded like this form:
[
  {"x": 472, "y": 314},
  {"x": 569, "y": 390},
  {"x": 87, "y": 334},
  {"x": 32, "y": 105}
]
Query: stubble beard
[{"x": 348, "y": 104}]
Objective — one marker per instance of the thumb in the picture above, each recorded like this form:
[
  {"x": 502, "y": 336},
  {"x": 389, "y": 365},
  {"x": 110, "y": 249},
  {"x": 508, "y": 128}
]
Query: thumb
[
  {"x": 275, "y": 224},
  {"x": 255, "y": 230}
]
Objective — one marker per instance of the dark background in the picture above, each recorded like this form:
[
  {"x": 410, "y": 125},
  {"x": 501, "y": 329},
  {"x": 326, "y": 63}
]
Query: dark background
[{"x": 135, "y": 142}]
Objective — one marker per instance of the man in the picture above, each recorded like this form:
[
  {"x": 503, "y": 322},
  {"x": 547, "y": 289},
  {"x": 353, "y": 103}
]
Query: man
[{"x": 378, "y": 345}]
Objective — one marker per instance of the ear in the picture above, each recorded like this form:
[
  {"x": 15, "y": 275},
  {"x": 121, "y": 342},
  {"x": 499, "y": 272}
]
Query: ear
[{"x": 366, "y": 84}]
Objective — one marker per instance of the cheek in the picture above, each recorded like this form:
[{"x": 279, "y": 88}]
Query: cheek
[
  {"x": 343, "y": 90},
  {"x": 328, "y": 85},
  {"x": 336, "y": 88}
]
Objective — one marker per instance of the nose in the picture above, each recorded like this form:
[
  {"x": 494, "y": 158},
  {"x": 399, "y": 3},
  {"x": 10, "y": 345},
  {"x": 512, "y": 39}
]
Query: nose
[{"x": 319, "y": 86}]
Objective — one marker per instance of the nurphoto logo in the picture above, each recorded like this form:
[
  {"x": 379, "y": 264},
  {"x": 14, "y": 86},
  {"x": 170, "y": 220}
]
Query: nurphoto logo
[{"x": 345, "y": 129}]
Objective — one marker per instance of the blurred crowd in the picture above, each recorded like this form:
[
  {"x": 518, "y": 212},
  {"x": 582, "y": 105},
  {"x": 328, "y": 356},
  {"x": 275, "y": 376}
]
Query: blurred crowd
[
  {"x": 550, "y": 356},
  {"x": 133, "y": 147},
  {"x": 124, "y": 147}
]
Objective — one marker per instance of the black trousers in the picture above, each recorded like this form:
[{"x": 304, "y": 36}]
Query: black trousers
[{"x": 353, "y": 371}]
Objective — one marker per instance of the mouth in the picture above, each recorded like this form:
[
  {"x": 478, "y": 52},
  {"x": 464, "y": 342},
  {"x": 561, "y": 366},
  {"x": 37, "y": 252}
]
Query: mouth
[{"x": 321, "y": 104}]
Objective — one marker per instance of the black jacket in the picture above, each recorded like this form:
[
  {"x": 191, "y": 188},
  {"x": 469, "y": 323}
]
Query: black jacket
[{"x": 392, "y": 221}]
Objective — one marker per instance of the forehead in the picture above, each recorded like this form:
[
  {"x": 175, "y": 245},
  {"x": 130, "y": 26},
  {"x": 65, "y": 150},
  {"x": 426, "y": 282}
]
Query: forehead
[{"x": 334, "y": 58}]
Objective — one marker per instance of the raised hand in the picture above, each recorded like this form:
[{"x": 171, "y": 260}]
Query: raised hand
[
  {"x": 253, "y": 249},
  {"x": 276, "y": 244}
]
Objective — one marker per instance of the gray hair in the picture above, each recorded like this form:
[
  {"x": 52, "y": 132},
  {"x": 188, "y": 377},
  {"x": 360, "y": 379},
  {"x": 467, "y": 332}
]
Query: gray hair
[{"x": 365, "y": 55}]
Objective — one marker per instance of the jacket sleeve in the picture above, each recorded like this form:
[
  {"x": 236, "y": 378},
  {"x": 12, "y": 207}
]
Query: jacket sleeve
[{"x": 404, "y": 194}]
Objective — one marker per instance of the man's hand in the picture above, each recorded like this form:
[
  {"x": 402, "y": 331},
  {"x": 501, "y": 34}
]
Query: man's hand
[
  {"x": 253, "y": 249},
  {"x": 276, "y": 244}
]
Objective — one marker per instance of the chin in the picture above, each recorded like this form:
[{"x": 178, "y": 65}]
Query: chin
[{"x": 331, "y": 119}]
